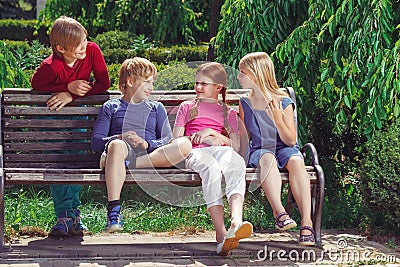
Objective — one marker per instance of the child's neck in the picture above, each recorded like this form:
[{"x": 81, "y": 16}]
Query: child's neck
[
  {"x": 131, "y": 99},
  {"x": 69, "y": 61},
  {"x": 208, "y": 100}
]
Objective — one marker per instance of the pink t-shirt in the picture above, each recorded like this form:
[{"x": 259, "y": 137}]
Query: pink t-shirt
[{"x": 210, "y": 115}]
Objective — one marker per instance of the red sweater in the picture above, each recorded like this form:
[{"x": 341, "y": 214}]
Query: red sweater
[{"x": 53, "y": 74}]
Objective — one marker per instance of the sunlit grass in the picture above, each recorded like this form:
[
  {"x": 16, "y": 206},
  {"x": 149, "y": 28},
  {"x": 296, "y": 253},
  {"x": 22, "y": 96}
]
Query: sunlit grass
[{"x": 33, "y": 207}]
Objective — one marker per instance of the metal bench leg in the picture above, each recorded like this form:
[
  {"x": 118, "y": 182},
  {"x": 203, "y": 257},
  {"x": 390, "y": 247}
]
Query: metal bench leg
[
  {"x": 2, "y": 248},
  {"x": 317, "y": 216}
]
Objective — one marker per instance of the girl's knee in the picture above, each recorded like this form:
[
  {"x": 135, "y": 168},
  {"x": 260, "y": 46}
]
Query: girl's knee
[
  {"x": 267, "y": 159},
  {"x": 295, "y": 162}
]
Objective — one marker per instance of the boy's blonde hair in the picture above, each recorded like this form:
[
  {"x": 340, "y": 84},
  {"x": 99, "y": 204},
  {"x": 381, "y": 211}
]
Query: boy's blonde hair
[
  {"x": 67, "y": 33},
  {"x": 260, "y": 65},
  {"x": 135, "y": 68}
]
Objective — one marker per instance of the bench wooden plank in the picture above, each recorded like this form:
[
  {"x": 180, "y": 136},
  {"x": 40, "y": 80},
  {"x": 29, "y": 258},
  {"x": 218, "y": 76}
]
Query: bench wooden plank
[
  {"x": 44, "y": 111},
  {"x": 12, "y": 123},
  {"x": 71, "y": 158},
  {"x": 44, "y": 146},
  {"x": 41, "y": 136}
]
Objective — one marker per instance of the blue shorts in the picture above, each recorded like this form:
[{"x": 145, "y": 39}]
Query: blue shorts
[
  {"x": 282, "y": 155},
  {"x": 133, "y": 153}
]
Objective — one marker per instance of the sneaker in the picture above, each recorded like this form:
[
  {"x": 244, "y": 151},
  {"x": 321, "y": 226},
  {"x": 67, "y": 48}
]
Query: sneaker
[
  {"x": 231, "y": 240},
  {"x": 115, "y": 222},
  {"x": 63, "y": 227},
  {"x": 78, "y": 228},
  {"x": 103, "y": 158}
]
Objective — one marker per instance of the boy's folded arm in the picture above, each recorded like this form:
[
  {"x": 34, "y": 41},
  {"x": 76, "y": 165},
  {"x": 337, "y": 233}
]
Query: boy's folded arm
[{"x": 44, "y": 80}]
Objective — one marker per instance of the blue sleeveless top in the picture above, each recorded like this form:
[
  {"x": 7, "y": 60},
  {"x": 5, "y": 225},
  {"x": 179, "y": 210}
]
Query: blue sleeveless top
[{"x": 263, "y": 135}]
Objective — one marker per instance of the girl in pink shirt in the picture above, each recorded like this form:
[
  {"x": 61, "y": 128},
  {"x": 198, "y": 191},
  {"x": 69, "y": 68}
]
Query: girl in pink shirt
[{"x": 213, "y": 129}]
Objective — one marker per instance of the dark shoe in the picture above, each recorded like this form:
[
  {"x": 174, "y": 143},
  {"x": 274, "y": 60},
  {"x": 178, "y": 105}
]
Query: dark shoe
[
  {"x": 115, "y": 222},
  {"x": 79, "y": 228},
  {"x": 307, "y": 240},
  {"x": 285, "y": 224},
  {"x": 63, "y": 226}
]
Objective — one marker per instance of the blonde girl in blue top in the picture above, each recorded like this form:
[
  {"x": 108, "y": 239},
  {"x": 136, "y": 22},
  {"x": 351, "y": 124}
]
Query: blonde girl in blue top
[{"x": 269, "y": 117}]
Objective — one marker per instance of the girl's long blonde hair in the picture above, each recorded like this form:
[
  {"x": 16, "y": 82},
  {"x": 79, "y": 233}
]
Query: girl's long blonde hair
[
  {"x": 260, "y": 65},
  {"x": 216, "y": 72}
]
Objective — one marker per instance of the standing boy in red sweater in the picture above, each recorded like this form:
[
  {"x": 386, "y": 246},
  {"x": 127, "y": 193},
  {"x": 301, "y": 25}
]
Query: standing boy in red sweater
[{"x": 66, "y": 73}]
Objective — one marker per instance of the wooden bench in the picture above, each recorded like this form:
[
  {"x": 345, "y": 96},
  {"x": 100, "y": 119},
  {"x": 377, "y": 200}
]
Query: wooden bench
[{"x": 39, "y": 150}]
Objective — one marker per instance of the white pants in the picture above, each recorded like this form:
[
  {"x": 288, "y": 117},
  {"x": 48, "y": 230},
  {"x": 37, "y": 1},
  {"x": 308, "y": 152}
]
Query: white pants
[{"x": 213, "y": 162}]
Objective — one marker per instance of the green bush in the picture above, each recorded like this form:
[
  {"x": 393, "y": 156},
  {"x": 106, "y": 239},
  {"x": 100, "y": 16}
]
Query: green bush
[
  {"x": 158, "y": 55},
  {"x": 118, "y": 55},
  {"x": 11, "y": 75},
  {"x": 180, "y": 53},
  {"x": 13, "y": 45},
  {"x": 20, "y": 30},
  {"x": 176, "y": 75},
  {"x": 380, "y": 179},
  {"x": 31, "y": 57},
  {"x": 115, "y": 40}
]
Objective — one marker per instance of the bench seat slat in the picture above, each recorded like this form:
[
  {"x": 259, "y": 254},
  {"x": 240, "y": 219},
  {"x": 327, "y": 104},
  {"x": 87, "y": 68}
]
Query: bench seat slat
[{"x": 148, "y": 176}]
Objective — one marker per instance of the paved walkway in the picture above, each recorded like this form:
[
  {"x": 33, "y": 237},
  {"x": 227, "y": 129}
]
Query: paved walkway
[{"x": 181, "y": 249}]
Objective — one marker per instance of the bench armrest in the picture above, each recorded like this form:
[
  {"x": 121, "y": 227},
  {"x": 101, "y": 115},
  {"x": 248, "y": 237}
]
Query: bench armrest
[{"x": 313, "y": 152}]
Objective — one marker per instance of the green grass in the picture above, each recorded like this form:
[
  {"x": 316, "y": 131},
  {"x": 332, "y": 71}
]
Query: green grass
[{"x": 32, "y": 206}]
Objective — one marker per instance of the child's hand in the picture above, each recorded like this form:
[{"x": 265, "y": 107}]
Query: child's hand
[
  {"x": 79, "y": 87},
  {"x": 275, "y": 111},
  {"x": 135, "y": 140},
  {"x": 198, "y": 137},
  {"x": 213, "y": 141},
  {"x": 59, "y": 100}
]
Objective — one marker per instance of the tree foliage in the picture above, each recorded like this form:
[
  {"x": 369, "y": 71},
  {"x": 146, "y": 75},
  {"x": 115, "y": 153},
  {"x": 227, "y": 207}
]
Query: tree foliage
[
  {"x": 255, "y": 25},
  {"x": 342, "y": 58},
  {"x": 166, "y": 21}
]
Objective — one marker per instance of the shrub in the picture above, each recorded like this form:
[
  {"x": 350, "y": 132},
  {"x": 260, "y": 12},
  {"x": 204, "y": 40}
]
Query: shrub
[
  {"x": 380, "y": 178},
  {"x": 157, "y": 55},
  {"x": 118, "y": 55},
  {"x": 20, "y": 30},
  {"x": 31, "y": 57},
  {"x": 176, "y": 75},
  {"x": 17, "y": 29},
  {"x": 10, "y": 74},
  {"x": 180, "y": 53},
  {"x": 115, "y": 40}
]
